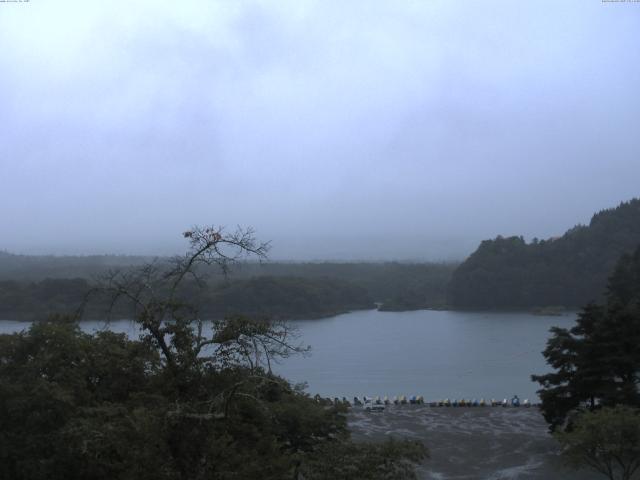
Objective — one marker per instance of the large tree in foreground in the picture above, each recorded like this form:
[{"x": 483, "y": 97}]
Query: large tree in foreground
[
  {"x": 597, "y": 362},
  {"x": 188, "y": 400}
]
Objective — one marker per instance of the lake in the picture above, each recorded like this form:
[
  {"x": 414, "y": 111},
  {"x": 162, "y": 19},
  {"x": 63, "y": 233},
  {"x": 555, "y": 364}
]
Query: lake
[{"x": 437, "y": 354}]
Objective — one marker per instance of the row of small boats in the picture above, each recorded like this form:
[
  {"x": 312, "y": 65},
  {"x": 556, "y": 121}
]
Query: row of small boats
[
  {"x": 514, "y": 402},
  {"x": 419, "y": 400}
]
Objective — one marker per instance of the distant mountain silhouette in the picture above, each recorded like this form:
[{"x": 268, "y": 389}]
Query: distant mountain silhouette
[{"x": 568, "y": 271}]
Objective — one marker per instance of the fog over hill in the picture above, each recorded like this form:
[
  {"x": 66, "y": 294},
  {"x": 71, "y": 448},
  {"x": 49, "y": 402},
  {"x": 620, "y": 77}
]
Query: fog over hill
[
  {"x": 570, "y": 270},
  {"x": 339, "y": 130}
]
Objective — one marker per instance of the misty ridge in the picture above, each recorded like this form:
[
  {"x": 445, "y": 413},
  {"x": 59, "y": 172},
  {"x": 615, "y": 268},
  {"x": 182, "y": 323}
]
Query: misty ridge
[
  {"x": 319, "y": 240},
  {"x": 338, "y": 132},
  {"x": 552, "y": 275}
]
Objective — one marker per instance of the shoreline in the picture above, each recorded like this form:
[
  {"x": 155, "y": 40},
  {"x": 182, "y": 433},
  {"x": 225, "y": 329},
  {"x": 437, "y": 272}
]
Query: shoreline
[
  {"x": 537, "y": 312},
  {"x": 471, "y": 443}
]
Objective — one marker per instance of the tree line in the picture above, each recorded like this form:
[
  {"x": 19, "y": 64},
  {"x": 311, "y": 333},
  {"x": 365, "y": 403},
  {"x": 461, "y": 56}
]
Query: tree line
[
  {"x": 274, "y": 297},
  {"x": 279, "y": 290},
  {"x": 180, "y": 402},
  {"x": 568, "y": 271}
]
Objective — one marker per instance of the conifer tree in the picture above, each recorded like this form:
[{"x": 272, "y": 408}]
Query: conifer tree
[{"x": 597, "y": 362}]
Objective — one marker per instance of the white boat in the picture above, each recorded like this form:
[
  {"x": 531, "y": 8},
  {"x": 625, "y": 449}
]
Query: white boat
[{"x": 370, "y": 406}]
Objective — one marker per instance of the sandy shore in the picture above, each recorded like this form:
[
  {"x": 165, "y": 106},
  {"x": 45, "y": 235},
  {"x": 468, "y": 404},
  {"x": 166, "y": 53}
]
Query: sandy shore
[{"x": 488, "y": 443}]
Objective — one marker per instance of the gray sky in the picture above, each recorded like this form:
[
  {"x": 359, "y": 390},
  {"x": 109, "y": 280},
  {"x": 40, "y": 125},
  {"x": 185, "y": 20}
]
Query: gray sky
[{"x": 339, "y": 130}]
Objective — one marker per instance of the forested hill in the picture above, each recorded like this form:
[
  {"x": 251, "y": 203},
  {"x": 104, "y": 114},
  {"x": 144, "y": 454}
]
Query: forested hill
[
  {"x": 273, "y": 297},
  {"x": 39, "y": 267},
  {"x": 568, "y": 271},
  {"x": 32, "y": 287}
]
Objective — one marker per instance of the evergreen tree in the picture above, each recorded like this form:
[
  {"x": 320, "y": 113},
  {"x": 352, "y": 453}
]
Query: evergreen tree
[{"x": 597, "y": 362}]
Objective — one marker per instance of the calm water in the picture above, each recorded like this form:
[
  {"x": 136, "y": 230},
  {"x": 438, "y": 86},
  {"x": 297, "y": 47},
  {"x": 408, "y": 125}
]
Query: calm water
[{"x": 430, "y": 353}]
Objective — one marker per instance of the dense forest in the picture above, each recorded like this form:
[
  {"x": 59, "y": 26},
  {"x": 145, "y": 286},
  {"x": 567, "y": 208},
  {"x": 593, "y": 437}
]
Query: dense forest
[
  {"x": 568, "y": 271},
  {"x": 280, "y": 298},
  {"x": 397, "y": 285},
  {"x": 178, "y": 403},
  {"x": 506, "y": 272},
  {"x": 39, "y": 267},
  {"x": 34, "y": 287}
]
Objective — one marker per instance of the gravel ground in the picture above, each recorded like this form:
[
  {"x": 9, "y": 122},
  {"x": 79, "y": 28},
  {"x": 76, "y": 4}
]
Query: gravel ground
[{"x": 489, "y": 443}]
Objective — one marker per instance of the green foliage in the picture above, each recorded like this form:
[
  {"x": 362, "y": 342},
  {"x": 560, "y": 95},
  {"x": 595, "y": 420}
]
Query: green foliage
[
  {"x": 33, "y": 300},
  {"x": 77, "y": 406},
  {"x": 570, "y": 270},
  {"x": 597, "y": 362},
  {"x": 285, "y": 291},
  {"x": 398, "y": 286},
  {"x": 180, "y": 402},
  {"x": 607, "y": 441},
  {"x": 284, "y": 297},
  {"x": 278, "y": 297},
  {"x": 55, "y": 381}
]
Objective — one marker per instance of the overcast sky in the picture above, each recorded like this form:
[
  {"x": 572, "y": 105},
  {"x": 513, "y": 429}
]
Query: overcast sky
[{"x": 338, "y": 130}]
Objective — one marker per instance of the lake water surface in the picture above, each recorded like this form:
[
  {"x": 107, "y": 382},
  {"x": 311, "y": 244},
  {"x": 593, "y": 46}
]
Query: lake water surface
[{"x": 436, "y": 354}]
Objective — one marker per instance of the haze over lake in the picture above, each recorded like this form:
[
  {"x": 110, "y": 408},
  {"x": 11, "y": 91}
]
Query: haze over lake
[
  {"x": 436, "y": 354},
  {"x": 339, "y": 130}
]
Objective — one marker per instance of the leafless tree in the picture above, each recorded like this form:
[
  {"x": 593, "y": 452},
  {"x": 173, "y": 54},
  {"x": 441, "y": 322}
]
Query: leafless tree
[{"x": 173, "y": 324}]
